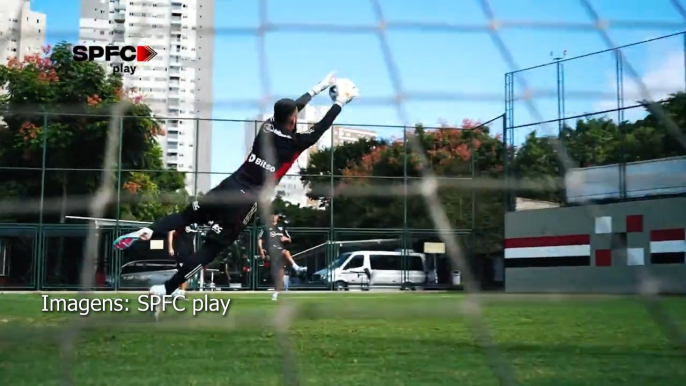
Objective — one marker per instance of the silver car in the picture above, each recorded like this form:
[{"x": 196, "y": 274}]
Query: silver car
[{"x": 145, "y": 273}]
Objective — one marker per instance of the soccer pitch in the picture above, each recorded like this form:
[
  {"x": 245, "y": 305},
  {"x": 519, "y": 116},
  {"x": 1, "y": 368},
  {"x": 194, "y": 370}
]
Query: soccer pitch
[{"x": 346, "y": 339}]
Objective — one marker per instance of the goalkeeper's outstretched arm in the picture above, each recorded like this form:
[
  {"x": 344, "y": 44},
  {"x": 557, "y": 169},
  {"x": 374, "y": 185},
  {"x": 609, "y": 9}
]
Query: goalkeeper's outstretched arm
[
  {"x": 304, "y": 100},
  {"x": 325, "y": 83},
  {"x": 347, "y": 91},
  {"x": 311, "y": 136}
]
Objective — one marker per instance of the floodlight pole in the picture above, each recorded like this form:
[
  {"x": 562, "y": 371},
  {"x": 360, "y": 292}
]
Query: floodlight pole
[
  {"x": 560, "y": 90},
  {"x": 619, "y": 73}
]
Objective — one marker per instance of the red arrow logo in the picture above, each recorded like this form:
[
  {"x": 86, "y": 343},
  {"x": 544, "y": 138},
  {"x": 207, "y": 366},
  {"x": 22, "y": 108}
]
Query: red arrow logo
[{"x": 145, "y": 53}]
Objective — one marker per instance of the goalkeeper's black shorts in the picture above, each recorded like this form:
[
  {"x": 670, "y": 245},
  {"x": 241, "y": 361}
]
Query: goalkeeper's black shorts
[{"x": 227, "y": 209}]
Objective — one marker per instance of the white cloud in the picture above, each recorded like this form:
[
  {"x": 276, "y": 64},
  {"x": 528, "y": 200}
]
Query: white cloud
[
  {"x": 659, "y": 80},
  {"x": 667, "y": 78}
]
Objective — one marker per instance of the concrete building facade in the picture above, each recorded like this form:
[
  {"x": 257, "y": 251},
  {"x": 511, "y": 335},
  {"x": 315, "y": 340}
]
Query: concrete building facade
[
  {"x": 177, "y": 83},
  {"x": 22, "y": 31},
  {"x": 622, "y": 247}
]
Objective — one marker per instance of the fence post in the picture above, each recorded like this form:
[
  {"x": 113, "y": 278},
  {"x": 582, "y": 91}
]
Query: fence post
[
  {"x": 39, "y": 256},
  {"x": 472, "y": 166},
  {"x": 197, "y": 157},
  {"x": 331, "y": 192},
  {"x": 506, "y": 165},
  {"x": 560, "y": 95},
  {"x": 620, "y": 85},
  {"x": 405, "y": 240},
  {"x": 116, "y": 263},
  {"x": 508, "y": 117},
  {"x": 253, "y": 237}
]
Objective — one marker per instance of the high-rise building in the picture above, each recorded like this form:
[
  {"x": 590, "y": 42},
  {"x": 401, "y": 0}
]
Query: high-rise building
[
  {"x": 291, "y": 188},
  {"x": 343, "y": 135},
  {"x": 22, "y": 31},
  {"x": 177, "y": 83}
]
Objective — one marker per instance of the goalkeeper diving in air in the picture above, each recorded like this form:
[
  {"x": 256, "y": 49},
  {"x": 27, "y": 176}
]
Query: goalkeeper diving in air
[{"x": 230, "y": 206}]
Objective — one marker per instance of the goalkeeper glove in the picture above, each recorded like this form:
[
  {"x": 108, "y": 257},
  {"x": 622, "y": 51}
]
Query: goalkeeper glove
[
  {"x": 347, "y": 91},
  {"x": 325, "y": 83}
]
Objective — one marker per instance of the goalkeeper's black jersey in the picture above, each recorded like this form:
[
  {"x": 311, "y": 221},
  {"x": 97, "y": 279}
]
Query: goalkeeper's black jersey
[{"x": 264, "y": 164}]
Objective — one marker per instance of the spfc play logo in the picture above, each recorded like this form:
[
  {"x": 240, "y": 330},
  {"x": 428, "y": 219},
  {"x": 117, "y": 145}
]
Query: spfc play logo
[{"x": 128, "y": 54}]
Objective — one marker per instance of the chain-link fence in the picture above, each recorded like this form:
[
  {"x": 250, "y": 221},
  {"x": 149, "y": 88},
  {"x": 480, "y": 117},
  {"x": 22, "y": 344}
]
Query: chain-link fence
[
  {"x": 621, "y": 143},
  {"x": 72, "y": 182},
  {"x": 357, "y": 185}
]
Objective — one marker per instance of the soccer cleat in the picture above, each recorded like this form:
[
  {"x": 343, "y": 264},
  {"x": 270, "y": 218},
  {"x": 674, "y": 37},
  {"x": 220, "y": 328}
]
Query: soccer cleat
[
  {"x": 157, "y": 290},
  {"x": 275, "y": 296},
  {"x": 125, "y": 241},
  {"x": 179, "y": 294}
]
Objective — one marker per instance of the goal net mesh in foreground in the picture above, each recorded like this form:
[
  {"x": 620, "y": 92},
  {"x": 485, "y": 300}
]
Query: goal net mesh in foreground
[{"x": 521, "y": 91}]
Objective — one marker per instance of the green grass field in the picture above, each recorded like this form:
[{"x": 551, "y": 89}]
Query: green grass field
[{"x": 345, "y": 339}]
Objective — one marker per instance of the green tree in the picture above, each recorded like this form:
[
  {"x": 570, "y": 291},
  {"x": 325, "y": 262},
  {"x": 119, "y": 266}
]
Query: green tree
[
  {"x": 597, "y": 142},
  {"x": 55, "y": 100},
  {"x": 538, "y": 166},
  {"x": 651, "y": 137},
  {"x": 317, "y": 174},
  {"x": 593, "y": 142},
  {"x": 380, "y": 165}
]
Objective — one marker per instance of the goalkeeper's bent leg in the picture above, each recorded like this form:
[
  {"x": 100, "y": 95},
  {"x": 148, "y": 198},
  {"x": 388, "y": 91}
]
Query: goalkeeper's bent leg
[
  {"x": 205, "y": 255},
  {"x": 194, "y": 213},
  {"x": 173, "y": 221}
]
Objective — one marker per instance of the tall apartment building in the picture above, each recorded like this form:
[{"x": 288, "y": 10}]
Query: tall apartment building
[
  {"x": 343, "y": 135},
  {"x": 177, "y": 83},
  {"x": 22, "y": 31},
  {"x": 291, "y": 188}
]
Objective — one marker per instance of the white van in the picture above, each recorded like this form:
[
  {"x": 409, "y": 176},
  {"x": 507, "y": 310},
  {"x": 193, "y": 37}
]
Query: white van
[{"x": 374, "y": 268}]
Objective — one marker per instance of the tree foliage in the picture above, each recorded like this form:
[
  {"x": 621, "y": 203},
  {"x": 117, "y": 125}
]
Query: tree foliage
[
  {"x": 597, "y": 142},
  {"x": 85, "y": 93},
  {"x": 55, "y": 102},
  {"x": 380, "y": 165},
  {"x": 471, "y": 151}
]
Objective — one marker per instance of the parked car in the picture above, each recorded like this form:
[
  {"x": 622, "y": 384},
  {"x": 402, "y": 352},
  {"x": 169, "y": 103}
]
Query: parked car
[
  {"x": 145, "y": 273},
  {"x": 374, "y": 268}
]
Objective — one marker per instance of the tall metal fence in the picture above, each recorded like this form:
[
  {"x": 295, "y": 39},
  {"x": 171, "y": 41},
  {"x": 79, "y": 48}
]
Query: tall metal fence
[
  {"x": 611, "y": 130},
  {"x": 359, "y": 188},
  {"x": 612, "y": 79}
]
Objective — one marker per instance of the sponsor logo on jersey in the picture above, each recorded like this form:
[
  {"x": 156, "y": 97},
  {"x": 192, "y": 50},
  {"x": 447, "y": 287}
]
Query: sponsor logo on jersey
[
  {"x": 261, "y": 163},
  {"x": 269, "y": 128},
  {"x": 217, "y": 229}
]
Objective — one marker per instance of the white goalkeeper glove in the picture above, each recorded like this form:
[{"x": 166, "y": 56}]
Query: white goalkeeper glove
[
  {"x": 296, "y": 267},
  {"x": 347, "y": 91},
  {"x": 325, "y": 83}
]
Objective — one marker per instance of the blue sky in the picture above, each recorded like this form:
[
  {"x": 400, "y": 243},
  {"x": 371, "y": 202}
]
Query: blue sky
[{"x": 466, "y": 62}]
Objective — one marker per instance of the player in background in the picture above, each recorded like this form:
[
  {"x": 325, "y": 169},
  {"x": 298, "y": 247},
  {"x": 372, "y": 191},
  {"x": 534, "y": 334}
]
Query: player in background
[
  {"x": 181, "y": 245},
  {"x": 273, "y": 236},
  {"x": 232, "y": 204}
]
